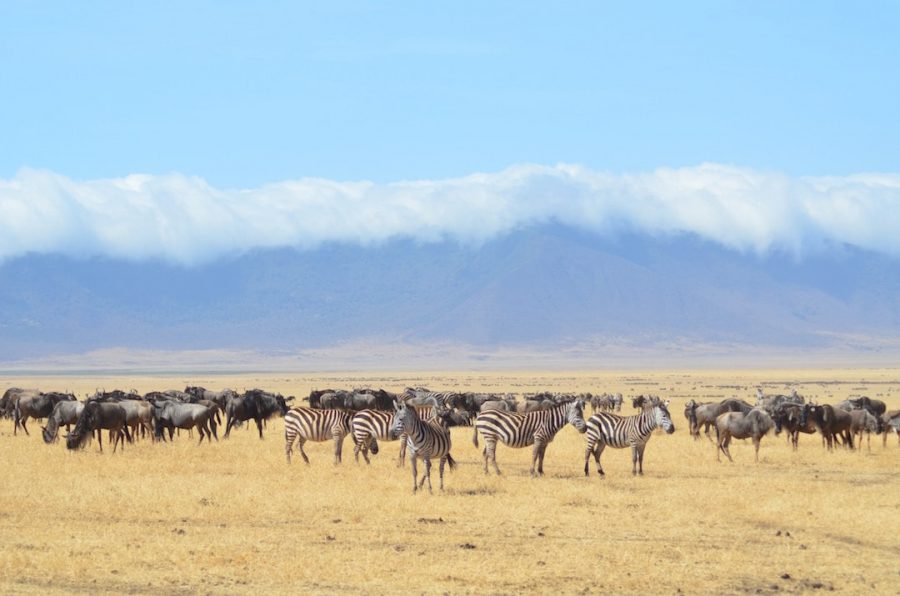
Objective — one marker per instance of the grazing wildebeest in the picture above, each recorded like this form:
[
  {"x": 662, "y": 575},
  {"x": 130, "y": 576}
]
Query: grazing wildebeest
[
  {"x": 863, "y": 421},
  {"x": 787, "y": 416},
  {"x": 831, "y": 422},
  {"x": 65, "y": 413},
  {"x": 891, "y": 422},
  {"x": 99, "y": 416},
  {"x": 36, "y": 406},
  {"x": 770, "y": 402},
  {"x": 171, "y": 414},
  {"x": 752, "y": 425},
  {"x": 255, "y": 404}
]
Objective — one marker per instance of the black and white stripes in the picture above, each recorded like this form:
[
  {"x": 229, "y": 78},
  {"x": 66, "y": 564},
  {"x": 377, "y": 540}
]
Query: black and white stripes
[
  {"x": 609, "y": 430},
  {"x": 424, "y": 439},
  {"x": 307, "y": 424},
  {"x": 521, "y": 430}
]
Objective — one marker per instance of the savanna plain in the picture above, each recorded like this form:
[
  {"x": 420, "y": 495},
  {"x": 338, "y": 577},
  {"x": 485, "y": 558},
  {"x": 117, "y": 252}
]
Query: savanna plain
[{"x": 234, "y": 517}]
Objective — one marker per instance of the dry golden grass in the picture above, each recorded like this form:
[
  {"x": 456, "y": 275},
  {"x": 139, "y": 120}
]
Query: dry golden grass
[{"x": 234, "y": 517}]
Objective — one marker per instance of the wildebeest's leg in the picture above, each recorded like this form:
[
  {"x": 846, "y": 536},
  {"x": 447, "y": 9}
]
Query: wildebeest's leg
[
  {"x": 229, "y": 422},
  {"x": 726, "y": 446},
  {"x": 22, "y": 422},
  {"x": 415, "y": 472},
  {"x": 201, "y": 431},
  {"x": 214, "y": 427},
  {"x": 100, "y": 438},
  {"x": 756, "y": 441},
  {"x": 259, "y": 426},
  {"x": 288, "y": 443}
]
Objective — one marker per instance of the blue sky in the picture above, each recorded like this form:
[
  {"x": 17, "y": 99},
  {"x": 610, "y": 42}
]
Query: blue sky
[{"x": 242, "y": 94}]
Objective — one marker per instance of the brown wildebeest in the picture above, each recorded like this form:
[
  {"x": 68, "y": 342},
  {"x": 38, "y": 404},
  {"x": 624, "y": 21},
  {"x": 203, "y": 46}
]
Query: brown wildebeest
[
  {"x": 99, "y": 416},
  {"x": 753, "y": 425},
  {"x": 64, "y": 413},
  {"x": 787, "y": 416},
  {"x": 37, "y": 406},
  {"x": 705, "y": 415},
  {"x": 831, "y": 422}
]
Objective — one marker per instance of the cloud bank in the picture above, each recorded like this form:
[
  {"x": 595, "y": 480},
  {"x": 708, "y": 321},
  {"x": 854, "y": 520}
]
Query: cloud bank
[{"x": 183, "y": 219}]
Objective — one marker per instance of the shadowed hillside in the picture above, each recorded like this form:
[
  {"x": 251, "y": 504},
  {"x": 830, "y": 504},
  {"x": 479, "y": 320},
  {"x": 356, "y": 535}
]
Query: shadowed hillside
[{"x": 539, "y": 287}]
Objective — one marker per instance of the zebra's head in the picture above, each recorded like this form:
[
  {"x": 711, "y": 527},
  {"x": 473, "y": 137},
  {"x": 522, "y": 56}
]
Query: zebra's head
[
  {"x": 402, "y": 414},
  {"x": 575, "y": 414},
  {"x": 663, "y": 418}
]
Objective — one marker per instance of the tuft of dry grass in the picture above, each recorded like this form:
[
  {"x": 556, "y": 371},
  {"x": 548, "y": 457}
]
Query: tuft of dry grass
[{"x": 233, "y": 517}]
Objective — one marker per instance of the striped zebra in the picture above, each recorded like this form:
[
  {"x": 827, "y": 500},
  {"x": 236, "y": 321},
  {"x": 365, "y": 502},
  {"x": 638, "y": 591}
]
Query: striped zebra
[
  {"x": 307, "y": 424},
  {"x": 420, "y": 396},
  {"x": 370, "y": 426},
  {"x": 609, "y": 430},
  {"x": 424, "y": 439},
  {"x": 521, "y": 430}
]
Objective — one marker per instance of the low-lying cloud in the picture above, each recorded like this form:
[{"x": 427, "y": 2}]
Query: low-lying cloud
[{"x": 183, "y": 219}]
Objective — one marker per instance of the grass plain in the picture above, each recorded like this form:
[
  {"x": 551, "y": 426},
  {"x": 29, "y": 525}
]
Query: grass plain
[{"x": 233, "y": 517}]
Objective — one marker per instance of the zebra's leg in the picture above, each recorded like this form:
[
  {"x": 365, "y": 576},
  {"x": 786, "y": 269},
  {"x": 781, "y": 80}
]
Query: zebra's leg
[
  {"x": 415, "y": 472},
  {"x": 402, "y": 460},
  {"x": 288, "y": 443},
  {"x": 359, "y": 446},
  {"x": 338, "y": 444},
  {"x": 441, "y": 470},
  {"x": 634, "y": 459},
  {"x": 540, "y": 461},
  {"x": 427, "y": 475},
  {"x": 641, "y": 459},
  {"x": 598, "y": 449},
  {"x": 535, "y": 454},
  {"x": 587, "y": 456},
  {"x": 300, "y": 441}
]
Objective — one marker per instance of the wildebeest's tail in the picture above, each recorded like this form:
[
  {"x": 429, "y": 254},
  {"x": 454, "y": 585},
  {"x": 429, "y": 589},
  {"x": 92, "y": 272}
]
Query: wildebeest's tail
[
  {"x": 451, "y": 462},
  {"x": 475, "y": 435}
]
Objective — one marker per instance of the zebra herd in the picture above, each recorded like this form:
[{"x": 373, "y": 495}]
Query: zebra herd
[{"x": 421, "y": 421}]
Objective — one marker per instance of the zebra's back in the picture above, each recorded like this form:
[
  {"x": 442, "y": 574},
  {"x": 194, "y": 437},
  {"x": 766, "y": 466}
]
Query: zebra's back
[
  {"x": 616, "y": 431},
  {"x": 511, "y": 429},
  {"x": 315, "y": 425}
]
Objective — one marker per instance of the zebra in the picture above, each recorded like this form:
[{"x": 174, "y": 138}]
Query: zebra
[
  {"x": 520, "y": 430},
  {"x": 424, "y": 439},
  {"x": 370, "y": 426},
  {"x": 419, "y": 396},
  {"x": 605, "y": 429},
  {"x": 307, "y": 424}
]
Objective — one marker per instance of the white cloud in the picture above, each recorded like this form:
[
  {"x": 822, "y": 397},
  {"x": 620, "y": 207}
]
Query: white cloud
[{"x": 183, "y": 219}]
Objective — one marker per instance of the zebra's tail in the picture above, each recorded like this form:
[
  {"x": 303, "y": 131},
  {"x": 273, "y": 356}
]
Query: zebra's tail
[
  {"x": 475, "y": 435},
  {"x": 451, "y": 463}
]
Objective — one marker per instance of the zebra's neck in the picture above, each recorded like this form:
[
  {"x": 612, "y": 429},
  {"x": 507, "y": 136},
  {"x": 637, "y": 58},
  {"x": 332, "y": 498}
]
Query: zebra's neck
[
  {"x": 555, "y": 418},
  {"x": 646, "y": 422}
]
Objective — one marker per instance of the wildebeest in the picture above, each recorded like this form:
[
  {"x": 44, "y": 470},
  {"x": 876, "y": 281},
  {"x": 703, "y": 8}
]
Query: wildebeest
[
  {"x": 533, "y": 405},
  {"x": 863, "y": 421},
  {"x": 220, "y": 398},
  {"x": 170, "y": 414},
  {"x": 787, "y": 416},
  {"x": 65, "y": 413},
  {"x": 138, "y": 416},
  {"x": 705, "y": 415},
  {"x": 11, "y": 397},
  {"x": 831, "y": 422},
  {"x": 36, "y": 406},
  {"x": 255, "y": 404},
  {"x": 875, "y": 406},
  {"x": 770, "y": 402},
  {"x": 752, "y": 425},
  {"x": 99, "y": 416}
]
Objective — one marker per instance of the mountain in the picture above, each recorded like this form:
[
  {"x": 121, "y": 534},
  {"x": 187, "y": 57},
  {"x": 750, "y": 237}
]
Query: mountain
[{"x": 543, "y": 286}]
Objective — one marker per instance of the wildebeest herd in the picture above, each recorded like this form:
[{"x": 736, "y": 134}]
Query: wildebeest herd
[{"x": 420, "y": 420}]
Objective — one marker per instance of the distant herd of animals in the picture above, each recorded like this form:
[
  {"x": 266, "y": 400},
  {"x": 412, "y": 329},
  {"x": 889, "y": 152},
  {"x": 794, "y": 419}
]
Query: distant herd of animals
[{"x": 421, "y": 420}]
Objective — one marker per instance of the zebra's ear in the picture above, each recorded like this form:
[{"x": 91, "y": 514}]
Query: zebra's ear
[{"x": 667, "y": 402}]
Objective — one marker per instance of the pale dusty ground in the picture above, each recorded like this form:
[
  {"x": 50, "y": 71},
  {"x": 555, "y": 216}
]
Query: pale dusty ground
[{"x": 234, "y": 517}]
